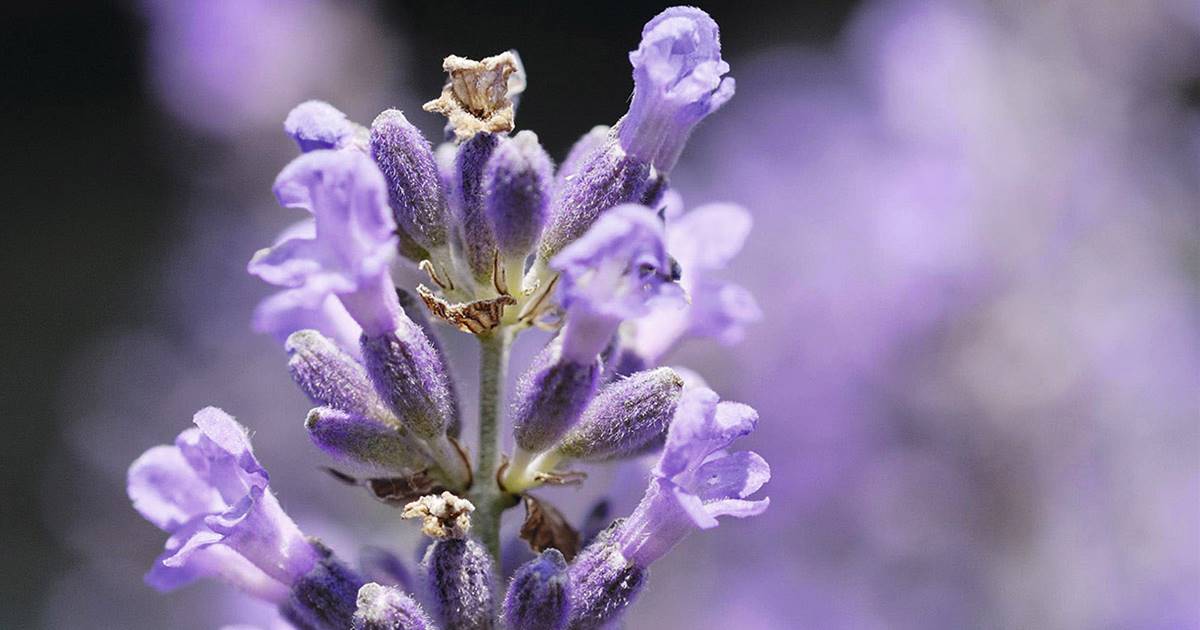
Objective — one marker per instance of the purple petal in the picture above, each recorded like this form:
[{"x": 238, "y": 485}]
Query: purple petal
[
  {"x": 317, "y": 125},
  {"x": 708, "y": 237},
  {"x": 738, "y": 475},
  {"x": 289, "y": 311},
  {"x": 617, "y": 266},
  {"x": 166, "y": 490},
  {"x": 737, "y": 508},
  {"x": 689, "y": 437}
]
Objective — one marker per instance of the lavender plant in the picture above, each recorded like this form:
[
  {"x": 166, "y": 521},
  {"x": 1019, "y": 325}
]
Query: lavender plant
[{"x": 508, "y": 243}]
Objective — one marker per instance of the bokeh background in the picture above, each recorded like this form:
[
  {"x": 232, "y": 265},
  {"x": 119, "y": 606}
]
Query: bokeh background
[{"x": 976, "y": 246}]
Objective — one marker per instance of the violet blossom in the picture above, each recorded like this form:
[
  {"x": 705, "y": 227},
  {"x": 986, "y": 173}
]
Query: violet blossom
[
  {"x": 472, "y": 217},
  {"x": 210, "y": 494}
]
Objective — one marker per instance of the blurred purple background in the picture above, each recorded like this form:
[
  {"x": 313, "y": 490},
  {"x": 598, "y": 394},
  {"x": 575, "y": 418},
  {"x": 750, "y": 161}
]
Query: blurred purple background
[{"x": 976, "y": 246}]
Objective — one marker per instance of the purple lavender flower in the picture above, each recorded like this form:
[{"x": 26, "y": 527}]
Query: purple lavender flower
[
  {"x": 677, "y": 72},
  {"x": 384, "y": 405},
  {"x": 319, "y": 125},
  {"x": 291, "y": 310},
  {"x": 677, "y": 82},
  {"x": 210, "y": 494},
  {"x": 703, "y": 241},
  {"x": 694, "y": 482},
  {"x": 354, "y": 240},
  {"x": 609, "y": 275}
]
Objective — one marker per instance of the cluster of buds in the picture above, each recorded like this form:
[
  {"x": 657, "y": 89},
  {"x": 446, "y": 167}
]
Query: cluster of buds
[{"x": 599, "y": 251}]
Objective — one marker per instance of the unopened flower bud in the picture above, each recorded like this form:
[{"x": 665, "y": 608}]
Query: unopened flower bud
[
  {"x": 583, "y": 148},
  {"x": 330, "y": 377},
  {"x": 459, "y": 571},
  {"x": 363, "y": 446},
  {"x": 410, "y": 377},
  {"x": 550, "y": 397},
  {"x": 406, "y": 160},
  {"x": 478, "y": 241},
  {"x": 603, "y": 583},
  {"x": 625, "y": 416},
  {"x": 387, "y": 608},
  {"x": 325, "y": 598},
  {"x": 516, "y": 187},
  {"x": 608, "y": 178},
  {"x": 539, "y": 596}
]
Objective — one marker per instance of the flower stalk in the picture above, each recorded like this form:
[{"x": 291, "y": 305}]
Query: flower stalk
[{"x": 489, "y": 499}]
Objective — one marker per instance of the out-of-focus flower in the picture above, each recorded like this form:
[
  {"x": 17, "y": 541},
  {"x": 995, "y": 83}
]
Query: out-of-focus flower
[{"x": 210, "y": 494}]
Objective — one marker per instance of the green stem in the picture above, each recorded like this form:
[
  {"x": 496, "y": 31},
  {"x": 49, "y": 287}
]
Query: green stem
[{"x": 489, "y": 501}]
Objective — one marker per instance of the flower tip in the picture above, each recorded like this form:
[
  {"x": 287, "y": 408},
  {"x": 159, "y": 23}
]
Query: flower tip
[{"x": 317, "y": 125}]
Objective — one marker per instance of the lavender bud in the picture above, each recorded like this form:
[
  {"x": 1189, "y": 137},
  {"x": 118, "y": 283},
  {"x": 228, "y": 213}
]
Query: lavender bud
[
  {"x": 459, "y": 571},
  {"x": 583, "y": 148},
  {"x": 625, "y": 416},
  {"x": 367, "y": 447},
  {"x": 414, "y": 191},
  {"x": 416, "y": 311},
  {"x": 516, "y": 186},
  {"x": 550, "y": 397},
  {"x": 410, "y": 377},
  {"x": 318, "y": 125},
  {"x": 603, "y": 583},
  {"x": 329, "y": 376},
  {"x": 478, "y": 241},
  {"x": 325, "y": 598},
  {"x": 539, "y": 596},
  {"x": 387, "y": 608},
  {"x": 608, "y": 178}
]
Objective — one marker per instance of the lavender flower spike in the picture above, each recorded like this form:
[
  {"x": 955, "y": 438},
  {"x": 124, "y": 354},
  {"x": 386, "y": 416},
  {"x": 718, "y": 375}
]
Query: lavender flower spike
[
  {"x": 388, "y": 608},
  {"x": 516, "y": 188},
  {"x": 353, "y": 244},
  {"x": 695, "y": 481},
  {"x": 318, "y": 125},
  {"x": 677, "y": 73},
  {"x": 609, "y": 275},
  {"x": 414, "y": 189},
  {"x": 210, "y": 494},
  {"x": 539, "y": 596}
]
